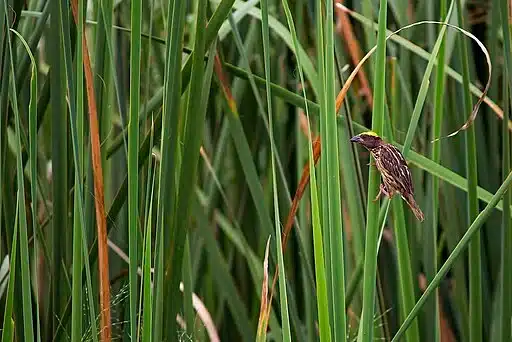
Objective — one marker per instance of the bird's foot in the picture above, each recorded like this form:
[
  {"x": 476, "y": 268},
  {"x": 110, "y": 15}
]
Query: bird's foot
[{"x": 382, "y": 190}]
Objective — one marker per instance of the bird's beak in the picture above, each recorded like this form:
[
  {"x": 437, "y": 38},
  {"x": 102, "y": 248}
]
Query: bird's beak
[{"x": 356, "y": 139}]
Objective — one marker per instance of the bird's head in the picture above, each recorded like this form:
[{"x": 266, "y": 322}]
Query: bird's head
[{"x": 369, "y": 139}]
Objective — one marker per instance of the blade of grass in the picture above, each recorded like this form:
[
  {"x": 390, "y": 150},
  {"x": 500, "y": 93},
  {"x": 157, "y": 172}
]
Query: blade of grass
[
  {"x": 506, "y": 241},
  {"x": 101, "y": 224},
  {"x": 145, "y": 318},
  {"x": 167, "y": 177},
  {"x": 495, "y": 47},
  {"x": 4, "y": 90},
  {"x": 76, "y": 286},
  {"x": 79, "y": 197},
  {"x": 408, "y": 266},
  {"x": 28, "y": 328},
  {"x": 59, "y": 159},
  {"x": 461, "y": 246},
  {"x": 431, "y": 247},
  {"x": 475, "y": 258},
  {"x": 335, "y": 227},
  {"x": 33, "y": 161},
  {"x": 506, "y": 246},
  {"x": 318, "y": 249},
  {"x": 406, "y": 280},
  {"x": 133, "y": 158},
  {"x": 323, "y": 190},
  {"x": 277, "y": 224},
  {"x": 505, "y": 17},
  {"x": 187, "y": 288},
  {"x": 36, "y": 32},
  {"x": 321, "y": 98},
  {"x": 372, "y": 223},
  {"x": 8, "y": 325},
  {"x": 147, "y": 288},
  {"x": 261, "y": 334}
]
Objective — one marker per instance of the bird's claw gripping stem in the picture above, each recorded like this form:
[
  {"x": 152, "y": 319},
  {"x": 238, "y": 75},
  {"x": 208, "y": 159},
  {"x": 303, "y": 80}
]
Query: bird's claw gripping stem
[{"x": 382, "y": 190}]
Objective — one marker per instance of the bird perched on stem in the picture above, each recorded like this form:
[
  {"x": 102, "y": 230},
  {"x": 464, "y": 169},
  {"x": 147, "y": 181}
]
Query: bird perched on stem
[{"x": 393, "y": 168}]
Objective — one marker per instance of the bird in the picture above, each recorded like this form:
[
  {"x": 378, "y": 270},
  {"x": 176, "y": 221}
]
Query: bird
[{"x": 396, "y": 176}]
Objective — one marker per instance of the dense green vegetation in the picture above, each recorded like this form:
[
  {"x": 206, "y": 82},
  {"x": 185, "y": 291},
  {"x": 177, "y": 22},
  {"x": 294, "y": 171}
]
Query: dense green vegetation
[{"x": 155, "y": 163}]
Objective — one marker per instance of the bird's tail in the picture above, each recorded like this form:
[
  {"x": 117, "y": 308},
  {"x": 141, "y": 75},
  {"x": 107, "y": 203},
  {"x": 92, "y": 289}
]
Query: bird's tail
[{"x": 415, "y": 208}]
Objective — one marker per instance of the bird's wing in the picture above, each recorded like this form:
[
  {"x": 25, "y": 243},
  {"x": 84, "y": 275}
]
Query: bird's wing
[{"x": 393, "y": 161}]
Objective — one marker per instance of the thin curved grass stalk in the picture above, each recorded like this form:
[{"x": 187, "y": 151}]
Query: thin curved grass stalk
[
  {"x": 474, "y": 112},
  {"x": 426, "y": 56}
]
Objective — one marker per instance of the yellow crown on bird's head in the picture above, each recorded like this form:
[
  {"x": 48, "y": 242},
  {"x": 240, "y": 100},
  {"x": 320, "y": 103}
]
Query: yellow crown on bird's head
[
  {"x": 368, "y": 139},
  {"x": 372, "y": 133}
]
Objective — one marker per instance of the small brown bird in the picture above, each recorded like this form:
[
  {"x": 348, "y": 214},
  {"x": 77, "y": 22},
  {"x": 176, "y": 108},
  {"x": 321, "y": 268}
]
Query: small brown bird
[{"x": 393, "y": 168}]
